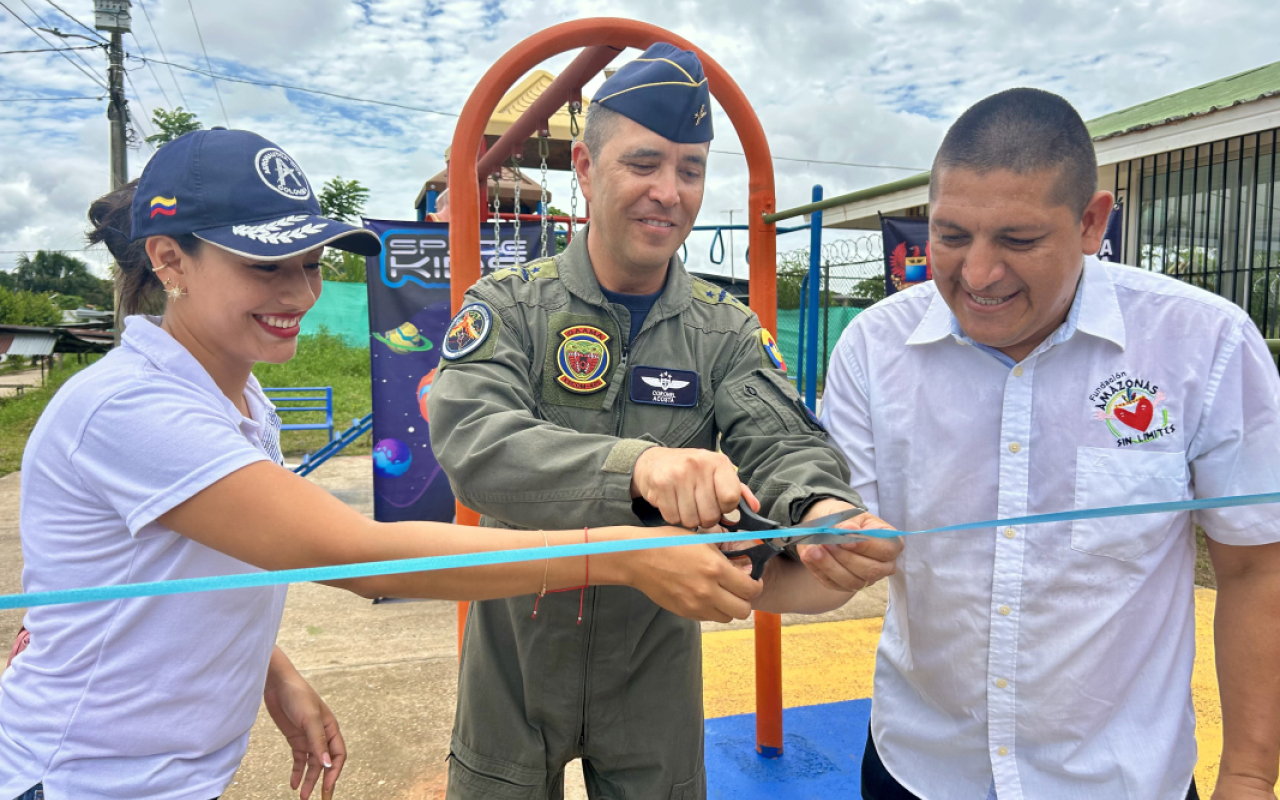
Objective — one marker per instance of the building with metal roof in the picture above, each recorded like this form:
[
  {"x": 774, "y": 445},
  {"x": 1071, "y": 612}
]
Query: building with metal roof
[{"x": 1195, "y": 174}]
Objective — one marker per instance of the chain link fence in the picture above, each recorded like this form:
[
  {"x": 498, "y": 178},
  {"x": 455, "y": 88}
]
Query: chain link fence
[{"x": 852, "y": 279}]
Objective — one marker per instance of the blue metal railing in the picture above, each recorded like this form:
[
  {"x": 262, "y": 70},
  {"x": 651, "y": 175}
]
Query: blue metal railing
[
  {"x": 358, "y": 428},
  {"x": 325, "y": 396}
]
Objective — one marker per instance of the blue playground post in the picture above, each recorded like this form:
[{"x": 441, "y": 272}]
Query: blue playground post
[
  {"x": 804, "y": 292},
  {"x": 815, "y": 288},
  {"x": 432, "y": 195}
]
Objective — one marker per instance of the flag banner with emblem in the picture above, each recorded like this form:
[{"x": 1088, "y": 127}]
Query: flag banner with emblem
[
  {"x": 1113, "y": 239},
  {"x": 409, "y": 316},
  {"x": 906, "y": 252}
]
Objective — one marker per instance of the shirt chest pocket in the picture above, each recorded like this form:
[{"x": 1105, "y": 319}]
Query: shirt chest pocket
[{"x": 1107, "y": 478}]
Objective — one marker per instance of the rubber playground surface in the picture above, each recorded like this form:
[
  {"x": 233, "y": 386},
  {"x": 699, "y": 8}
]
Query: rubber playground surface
[{"x": 827, "y": 674}]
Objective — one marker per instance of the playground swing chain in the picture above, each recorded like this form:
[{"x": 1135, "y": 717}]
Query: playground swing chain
[
  {"x": 517, "y": 178},
  {"x": 544, "y": 149},
  {"x": 497, "y": 229},
  {"x": 574, "y": 109}
]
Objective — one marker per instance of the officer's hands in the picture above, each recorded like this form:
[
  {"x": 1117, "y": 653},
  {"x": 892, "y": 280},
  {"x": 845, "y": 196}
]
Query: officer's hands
[
  {"x": 695, "y": 581},
  {"x": 690, "y": 487},
  {"x": 854, "y": 565}
]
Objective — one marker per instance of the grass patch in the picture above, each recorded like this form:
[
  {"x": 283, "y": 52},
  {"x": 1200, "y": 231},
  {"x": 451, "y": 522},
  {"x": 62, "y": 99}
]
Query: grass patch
[
  {"x": 1204, "y": 567},
  {"x": 324, "y": 359},
  {"x": 18, "y": 415}
]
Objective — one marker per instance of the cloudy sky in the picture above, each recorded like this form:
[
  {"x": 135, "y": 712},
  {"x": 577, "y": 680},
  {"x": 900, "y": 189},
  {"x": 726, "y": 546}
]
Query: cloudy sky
[{"x": 874, "y": 82}]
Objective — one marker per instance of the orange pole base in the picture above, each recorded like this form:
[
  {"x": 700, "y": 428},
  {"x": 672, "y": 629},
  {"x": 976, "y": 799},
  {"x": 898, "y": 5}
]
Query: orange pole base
[{"x": 768, "y": 684}]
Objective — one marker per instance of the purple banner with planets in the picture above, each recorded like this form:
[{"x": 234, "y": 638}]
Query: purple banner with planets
[{"x": 408, "y": 314}]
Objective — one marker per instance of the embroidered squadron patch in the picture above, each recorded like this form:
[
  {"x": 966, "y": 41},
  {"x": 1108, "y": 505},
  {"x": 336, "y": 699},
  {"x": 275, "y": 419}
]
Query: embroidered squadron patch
[
  {"x": 1133, "y": 408},
  {"x": 583, "y": 359},
  {"x": 467, "y": 331},
  {"x": 771, "y": 350}
]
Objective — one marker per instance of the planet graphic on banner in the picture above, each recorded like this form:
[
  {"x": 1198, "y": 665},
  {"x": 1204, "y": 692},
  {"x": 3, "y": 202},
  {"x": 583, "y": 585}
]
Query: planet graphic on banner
[
  {"x": 405, "y": 339},
  {"x": 391, "y": 458},
  {"x": 424, "y": 390}
]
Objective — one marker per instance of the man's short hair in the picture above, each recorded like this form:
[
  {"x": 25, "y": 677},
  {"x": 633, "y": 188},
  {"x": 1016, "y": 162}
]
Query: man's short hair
[
  {"x": 1024, "y": 131},
  {"x": 599, "y": 127}
]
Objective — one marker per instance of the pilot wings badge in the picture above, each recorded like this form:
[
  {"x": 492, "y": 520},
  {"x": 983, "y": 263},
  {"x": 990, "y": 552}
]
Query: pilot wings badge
[{"x": 664, "y": 387}]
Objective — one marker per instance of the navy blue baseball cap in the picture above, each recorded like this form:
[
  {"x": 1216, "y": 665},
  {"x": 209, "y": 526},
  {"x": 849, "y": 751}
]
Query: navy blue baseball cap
[
  {"x": 665, "y": 91},
  {"x": 240, "y": 192}
]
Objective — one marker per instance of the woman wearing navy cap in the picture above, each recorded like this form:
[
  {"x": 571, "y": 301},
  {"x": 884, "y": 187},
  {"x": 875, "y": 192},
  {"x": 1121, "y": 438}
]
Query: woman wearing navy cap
[{"x": 162, "y": 461}]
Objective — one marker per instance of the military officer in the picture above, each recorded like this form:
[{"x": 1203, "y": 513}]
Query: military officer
[{"x": 574, "y": 384}]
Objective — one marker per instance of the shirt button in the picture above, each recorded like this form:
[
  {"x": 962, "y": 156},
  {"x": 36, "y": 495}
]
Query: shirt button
[
  {"x": 1004, "y": 751},
  {"x": 1009, "y": 533},
  {"x": 1002, "y": 683},
  {"x": 1005, "y": 610},
  {"x": 1014, "y": 447},
  {"x": 1017, "y": 372}
]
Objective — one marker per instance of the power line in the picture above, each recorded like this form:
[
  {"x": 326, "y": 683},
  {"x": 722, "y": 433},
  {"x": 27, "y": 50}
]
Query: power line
[
  {"x": 160, "y": 45},
  {"x": 49, "y": 50},
  {"x": 90, "y": 75},
  {"x": 154, "y": 77},
  {"x": 131, "y": 118},
  {"x": 208, "y": 63},
  {"x": 222, "y": 76},
  {"x": 832, "y": 163},
  {"x": 57, "y": 33},
  {"x": 38, "y": 99},
  {"x": 76, "y": 21}
]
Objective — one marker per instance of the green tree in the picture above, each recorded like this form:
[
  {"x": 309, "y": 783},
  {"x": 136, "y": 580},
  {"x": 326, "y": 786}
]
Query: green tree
[
  {"x": 342, "y": 267},
  {"x": 343, "y": 200},
  {"x": 171, "y": 124},
  {"x": 28, "y": 308},
  {"x": 53, "y": 272}
]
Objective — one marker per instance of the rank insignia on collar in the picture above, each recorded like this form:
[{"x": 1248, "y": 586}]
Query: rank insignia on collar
[
  {"x": 583, "y": 359},
  {"x": 467, "y": 331}
]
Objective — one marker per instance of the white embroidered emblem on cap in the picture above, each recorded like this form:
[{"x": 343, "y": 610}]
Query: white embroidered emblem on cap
[
  {"x": 282, "y": 231},
  {"x": 281, "y": 173}
]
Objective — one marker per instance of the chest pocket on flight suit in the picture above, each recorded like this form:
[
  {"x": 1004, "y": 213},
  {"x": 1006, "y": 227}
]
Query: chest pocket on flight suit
[{"x": 1107, "y": 477}]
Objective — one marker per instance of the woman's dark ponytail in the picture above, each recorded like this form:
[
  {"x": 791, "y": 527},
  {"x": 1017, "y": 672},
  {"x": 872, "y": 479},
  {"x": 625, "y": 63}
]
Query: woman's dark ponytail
[{"x": 112, "y": 218}]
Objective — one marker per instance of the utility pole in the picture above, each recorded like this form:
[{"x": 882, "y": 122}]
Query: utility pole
[{"x": 113, "y": 16}]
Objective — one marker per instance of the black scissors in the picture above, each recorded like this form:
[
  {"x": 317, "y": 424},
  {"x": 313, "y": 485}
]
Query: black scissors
[{"x": 750, "y": 521}]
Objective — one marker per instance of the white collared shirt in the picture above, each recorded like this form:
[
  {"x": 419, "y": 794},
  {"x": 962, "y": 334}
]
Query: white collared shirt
[
  {"x": 153, "y": 696},
  {"x": 1053, "y": 660}
]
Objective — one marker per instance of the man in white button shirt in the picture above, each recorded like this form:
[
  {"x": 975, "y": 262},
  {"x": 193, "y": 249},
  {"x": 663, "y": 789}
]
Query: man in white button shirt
[{"x": 1054, "y": 662}]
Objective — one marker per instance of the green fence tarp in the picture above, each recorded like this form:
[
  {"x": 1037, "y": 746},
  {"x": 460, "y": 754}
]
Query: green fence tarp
[
  {"x": 342, "y": 309},
  {"x": 837, "y": 317}
]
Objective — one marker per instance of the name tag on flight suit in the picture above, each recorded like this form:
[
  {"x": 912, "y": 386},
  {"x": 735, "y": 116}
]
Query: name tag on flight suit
[{"x": 664, "y": 387}]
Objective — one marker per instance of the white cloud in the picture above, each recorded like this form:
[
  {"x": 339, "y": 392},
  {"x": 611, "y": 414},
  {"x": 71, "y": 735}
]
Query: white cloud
[{"x": 875, "y": 82}]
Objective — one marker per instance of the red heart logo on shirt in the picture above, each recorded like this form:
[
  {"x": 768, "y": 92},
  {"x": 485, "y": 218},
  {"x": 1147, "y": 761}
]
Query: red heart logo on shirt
[{"x": 1140, "y": 417}]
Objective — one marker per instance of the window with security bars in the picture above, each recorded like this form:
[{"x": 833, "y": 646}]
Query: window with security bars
[{"x": 1207, "y": 215}]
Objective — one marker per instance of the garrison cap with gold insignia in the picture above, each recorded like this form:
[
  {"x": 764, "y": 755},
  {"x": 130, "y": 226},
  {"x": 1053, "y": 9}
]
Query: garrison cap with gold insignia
[{"x": 665, "y": 91}]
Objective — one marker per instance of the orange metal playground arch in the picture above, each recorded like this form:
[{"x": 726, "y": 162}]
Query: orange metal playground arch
[{"x": 466, "y": 193}]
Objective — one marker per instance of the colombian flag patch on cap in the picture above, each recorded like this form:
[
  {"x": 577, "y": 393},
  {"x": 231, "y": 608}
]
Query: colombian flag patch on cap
[{"x": 164, "y": 205}]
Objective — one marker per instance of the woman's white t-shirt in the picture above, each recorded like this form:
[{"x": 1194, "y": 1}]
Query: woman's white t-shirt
[{"x": 150, "y": 697}]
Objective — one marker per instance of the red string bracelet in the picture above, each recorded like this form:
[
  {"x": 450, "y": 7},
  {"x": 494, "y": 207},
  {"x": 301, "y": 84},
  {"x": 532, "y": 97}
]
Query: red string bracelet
[{"x": 582, "y": 590}]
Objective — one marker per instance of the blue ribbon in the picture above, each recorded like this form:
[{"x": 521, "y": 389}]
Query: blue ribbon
[{"x": 93, "y": 594}]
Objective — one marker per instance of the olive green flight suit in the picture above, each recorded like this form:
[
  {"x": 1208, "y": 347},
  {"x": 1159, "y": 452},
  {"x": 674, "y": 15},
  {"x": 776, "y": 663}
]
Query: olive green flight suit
[{"x": 623, "y": 688}]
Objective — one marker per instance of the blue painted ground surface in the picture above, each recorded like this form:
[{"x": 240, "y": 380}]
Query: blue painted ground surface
[{"x": 822, "y": 755}]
